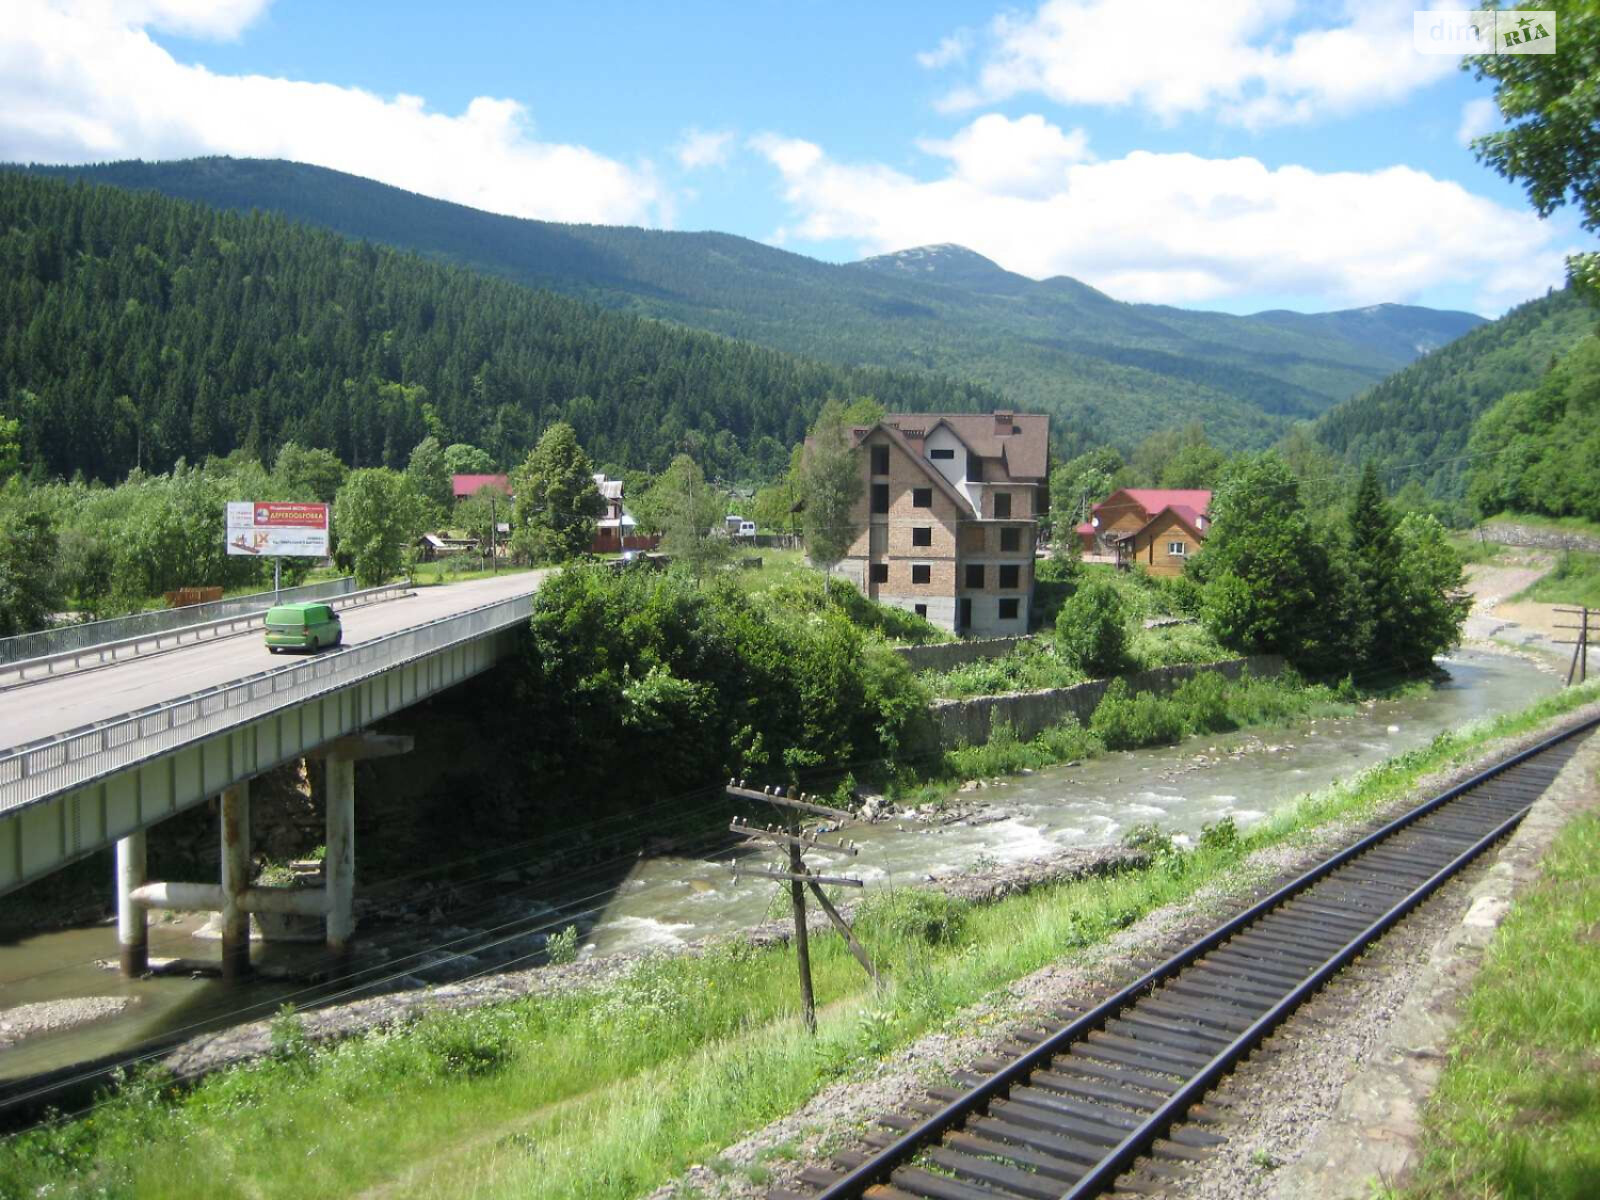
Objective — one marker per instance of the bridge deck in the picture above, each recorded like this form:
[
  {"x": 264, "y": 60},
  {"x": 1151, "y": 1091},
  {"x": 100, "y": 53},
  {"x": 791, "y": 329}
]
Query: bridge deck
[{"x": 42, "y": 709}]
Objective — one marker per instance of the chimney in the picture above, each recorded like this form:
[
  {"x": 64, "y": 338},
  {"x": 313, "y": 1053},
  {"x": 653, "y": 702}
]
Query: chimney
[{"x": 1002, "y": 422}]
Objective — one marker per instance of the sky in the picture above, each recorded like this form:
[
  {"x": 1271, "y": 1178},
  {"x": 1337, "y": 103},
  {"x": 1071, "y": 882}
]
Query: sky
[{"x": 1236, "y": 155}]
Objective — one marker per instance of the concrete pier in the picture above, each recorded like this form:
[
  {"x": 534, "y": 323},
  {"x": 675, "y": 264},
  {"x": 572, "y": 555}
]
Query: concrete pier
[
  {"x": 339, "y": 865},
  {"x": 235, "y": 879},
  {"x": 133, "y": 936}
]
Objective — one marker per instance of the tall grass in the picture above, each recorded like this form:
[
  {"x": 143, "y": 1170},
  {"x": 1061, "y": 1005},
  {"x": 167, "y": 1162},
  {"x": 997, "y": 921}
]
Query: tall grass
[
  {"x": 1517, "y": 1111},
  {"x": 610, "y": 1092}
]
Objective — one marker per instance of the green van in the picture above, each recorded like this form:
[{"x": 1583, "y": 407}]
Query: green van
[{"x": 304, "y": 626}]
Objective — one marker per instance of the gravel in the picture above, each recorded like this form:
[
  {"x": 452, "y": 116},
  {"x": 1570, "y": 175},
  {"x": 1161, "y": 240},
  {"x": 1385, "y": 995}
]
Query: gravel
[
  {"x": 48, "y": 1015},
  {"x": 836, "y": 1117}
]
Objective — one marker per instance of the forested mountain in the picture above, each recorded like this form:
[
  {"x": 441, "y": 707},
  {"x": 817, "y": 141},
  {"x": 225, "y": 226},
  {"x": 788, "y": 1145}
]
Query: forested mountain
[
  {"x": 1424, "y": 414},
  {"x": 1539, "y": 451},
  {"x": 137, "y": 329},
  {"x": 1115, "y": 371}
]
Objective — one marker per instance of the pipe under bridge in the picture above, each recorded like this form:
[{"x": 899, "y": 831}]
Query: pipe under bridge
[{"x": 99, "y": 756}]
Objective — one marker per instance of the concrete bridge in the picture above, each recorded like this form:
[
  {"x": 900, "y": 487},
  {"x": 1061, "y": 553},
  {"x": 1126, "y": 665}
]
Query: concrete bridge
[{"x": 98, "y": 756}]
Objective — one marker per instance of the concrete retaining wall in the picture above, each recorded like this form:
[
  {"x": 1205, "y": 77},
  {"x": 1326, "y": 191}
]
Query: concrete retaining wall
[
  {"x": 1508, "y": 534},
  {"x": 947, "y": 656},
  {"x": 968, "y": 722}
]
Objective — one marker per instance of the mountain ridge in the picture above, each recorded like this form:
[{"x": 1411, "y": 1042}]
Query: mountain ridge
[{"x": 1110, "y": 371}]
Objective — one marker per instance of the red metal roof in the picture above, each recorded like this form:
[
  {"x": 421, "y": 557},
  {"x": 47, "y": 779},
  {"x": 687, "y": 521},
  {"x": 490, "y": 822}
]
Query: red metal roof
[{"x": 468, "y": 485}]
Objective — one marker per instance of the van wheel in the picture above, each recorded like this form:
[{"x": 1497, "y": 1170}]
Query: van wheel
[
  {"x": 338, "y": 638},
  {"x": 272, "y": 649}
]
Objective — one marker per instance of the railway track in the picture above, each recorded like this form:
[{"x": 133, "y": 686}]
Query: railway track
[{"x": 1122, "y": 1084}]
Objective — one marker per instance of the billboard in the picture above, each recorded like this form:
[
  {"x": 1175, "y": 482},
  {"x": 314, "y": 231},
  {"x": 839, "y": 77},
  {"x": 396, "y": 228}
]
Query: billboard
[{"x": 267, "y": 527}]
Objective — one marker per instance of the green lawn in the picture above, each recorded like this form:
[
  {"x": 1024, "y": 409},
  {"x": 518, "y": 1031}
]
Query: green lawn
[
  {"x": 1517, "y": 1111},
  {"x": 611, "y": 1092}
]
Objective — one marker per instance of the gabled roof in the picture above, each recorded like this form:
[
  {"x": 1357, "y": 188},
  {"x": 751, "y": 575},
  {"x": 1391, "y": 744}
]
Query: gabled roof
[
  {"x": 861, "y": 433},
  {"x": 468, "y": 485},
  {"x": 1025, "y": 450},
  {"x": 1186, "y": 516},
  {"x": 1153, "y": 500}
]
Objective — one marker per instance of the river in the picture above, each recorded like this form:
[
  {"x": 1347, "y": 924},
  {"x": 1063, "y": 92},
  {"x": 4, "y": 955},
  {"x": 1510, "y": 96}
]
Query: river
[{"x": 668, "y": 899}]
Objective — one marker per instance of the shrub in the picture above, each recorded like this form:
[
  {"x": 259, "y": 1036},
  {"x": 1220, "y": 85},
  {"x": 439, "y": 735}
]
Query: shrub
[
  {"x": 1220, "y": 835},
  {"x": 562, "y": 947},
  {"x": 1092, "y": 629},
  {"x": 1126, "y": 721},
  {"x": 471, "y": 1044},
  {"x": 912, "y": 915}
]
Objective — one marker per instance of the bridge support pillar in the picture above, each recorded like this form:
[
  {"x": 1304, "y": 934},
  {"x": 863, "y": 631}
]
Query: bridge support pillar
[
  {"x": 132, "y": 924},
  {"x": 339, "y": 867},
  {"x": 339, "y": 786},
  {"x": 235, "y": 879}
]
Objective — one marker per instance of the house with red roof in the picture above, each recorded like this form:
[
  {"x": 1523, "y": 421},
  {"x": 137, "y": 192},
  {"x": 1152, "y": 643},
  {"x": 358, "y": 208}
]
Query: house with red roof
[
  {"x": 464, "y": 486},
  {"x": 1158, "y": 528}
]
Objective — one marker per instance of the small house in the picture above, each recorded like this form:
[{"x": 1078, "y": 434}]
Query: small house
[{"x": 1158, "y": 528}]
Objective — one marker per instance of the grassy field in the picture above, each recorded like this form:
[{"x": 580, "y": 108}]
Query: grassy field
[
  {"x": 1517, "y": 1111},
  {"x": 1575, "y": 579},
  {"x": 610, "y": 1092}
]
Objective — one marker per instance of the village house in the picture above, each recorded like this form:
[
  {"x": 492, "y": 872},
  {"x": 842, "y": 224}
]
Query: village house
[
  {"x": 463, "y": 487},
  {"x": 948, "y": 516},
  {"x": 1158, "y": 528},
  {"x": 616, "y": 530}
]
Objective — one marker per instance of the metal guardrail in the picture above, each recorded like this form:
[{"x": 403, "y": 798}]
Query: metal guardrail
[
  {"x": 45, "y": 643},
  {"x": 77, "y": 757},
  {"x": 64, "y": 663}
]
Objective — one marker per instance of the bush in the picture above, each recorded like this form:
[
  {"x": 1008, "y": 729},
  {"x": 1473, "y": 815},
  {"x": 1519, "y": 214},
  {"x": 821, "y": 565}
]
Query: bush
[
  {"x": 1220, "y": 835},
  {"x": 1092, "y": 629},
  {"x": 912, "y": 915},
  {"x": 1126, "y": 721}
]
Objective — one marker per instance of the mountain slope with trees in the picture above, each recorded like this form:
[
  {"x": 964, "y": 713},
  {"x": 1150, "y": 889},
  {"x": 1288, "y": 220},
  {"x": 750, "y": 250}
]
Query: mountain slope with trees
[
  {"x": 1111, "y": 371},
  {"x": 1416, "y": 424},
  {"x": 137, "y": 330}
]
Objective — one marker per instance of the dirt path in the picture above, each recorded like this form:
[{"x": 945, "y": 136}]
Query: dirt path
[{"x": 1494, "y": 618}]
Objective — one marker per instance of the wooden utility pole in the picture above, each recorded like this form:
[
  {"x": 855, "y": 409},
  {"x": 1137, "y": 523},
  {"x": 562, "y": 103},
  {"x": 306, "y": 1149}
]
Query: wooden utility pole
[
  {"x": 795, "y": 841},
  {"x": 1580, "y": 644}
]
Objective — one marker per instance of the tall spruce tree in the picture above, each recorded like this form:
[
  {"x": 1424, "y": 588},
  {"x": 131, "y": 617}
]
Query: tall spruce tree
[{"x": 1372, "y": 560}]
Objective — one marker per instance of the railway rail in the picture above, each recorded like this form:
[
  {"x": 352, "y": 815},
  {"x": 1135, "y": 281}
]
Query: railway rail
[{"x": 1122, "y": 1084}]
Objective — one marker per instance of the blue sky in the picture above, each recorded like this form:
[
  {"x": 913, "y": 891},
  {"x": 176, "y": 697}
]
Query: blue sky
[{"x": 1239, "y": 155}]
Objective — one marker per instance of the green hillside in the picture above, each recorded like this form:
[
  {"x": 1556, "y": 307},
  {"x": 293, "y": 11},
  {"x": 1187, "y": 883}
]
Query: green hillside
[
  {"x": 137, "y": 329},
  {"x": 1112, "y": 371},
  {"x": 1416, "y": 424}
]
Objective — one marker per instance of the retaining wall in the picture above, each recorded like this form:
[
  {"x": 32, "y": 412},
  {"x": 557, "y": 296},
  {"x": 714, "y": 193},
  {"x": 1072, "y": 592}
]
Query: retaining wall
[
  {"x": 969, "y": 722},
  {"x": 946, "y": 656},
  {"x": 1508, "y": 534}
]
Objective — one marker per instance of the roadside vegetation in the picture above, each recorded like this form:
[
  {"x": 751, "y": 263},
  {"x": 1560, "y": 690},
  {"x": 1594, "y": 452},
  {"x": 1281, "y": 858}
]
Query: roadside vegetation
[
  {"x": 1517, "y": 1110},
  {"x": 613, "y": 1091}
]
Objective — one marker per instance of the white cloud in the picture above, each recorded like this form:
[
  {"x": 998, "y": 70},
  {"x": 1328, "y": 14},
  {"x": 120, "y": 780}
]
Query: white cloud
[
  {"x": 1026, "y": 157},
  {"x": 950, "y": 50},
  {"x": 1178, "y": 228},
  {"x": 1478, "y": 117},
  {"x": 1253, "y": 63},
  {"x": 704, "y": 148},
  {"x": 80, "y": 81}
]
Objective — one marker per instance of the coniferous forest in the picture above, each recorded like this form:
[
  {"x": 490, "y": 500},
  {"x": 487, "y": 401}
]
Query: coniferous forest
[{"x": 136, "y": 330}]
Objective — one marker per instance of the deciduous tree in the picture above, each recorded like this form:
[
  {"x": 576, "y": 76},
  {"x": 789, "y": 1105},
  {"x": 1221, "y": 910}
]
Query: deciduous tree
[
  {"x": 376, "y": 518},
  {"x": 831, "y": 483},
  {"x": 557, "y": 502}
]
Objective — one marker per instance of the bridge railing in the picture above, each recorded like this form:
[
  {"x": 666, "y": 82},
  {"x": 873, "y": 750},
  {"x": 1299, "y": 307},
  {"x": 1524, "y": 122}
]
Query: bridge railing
[
  {"x": 77, "y": 757},
  {"x": 28, "y": 670},
  {"x": 64, "y": 639}
]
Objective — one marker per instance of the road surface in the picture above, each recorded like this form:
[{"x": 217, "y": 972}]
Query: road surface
[{"x": 37, "y": 710}]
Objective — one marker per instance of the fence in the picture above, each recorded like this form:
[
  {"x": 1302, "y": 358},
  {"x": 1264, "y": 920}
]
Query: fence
[
  {"x": 76, "y": 757},
  {"x": 65, "y": 638}
]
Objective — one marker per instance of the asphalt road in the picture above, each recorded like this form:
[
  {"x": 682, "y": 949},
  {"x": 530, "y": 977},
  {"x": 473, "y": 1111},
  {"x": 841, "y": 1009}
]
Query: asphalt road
[{"x": 37, "y": 710}]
